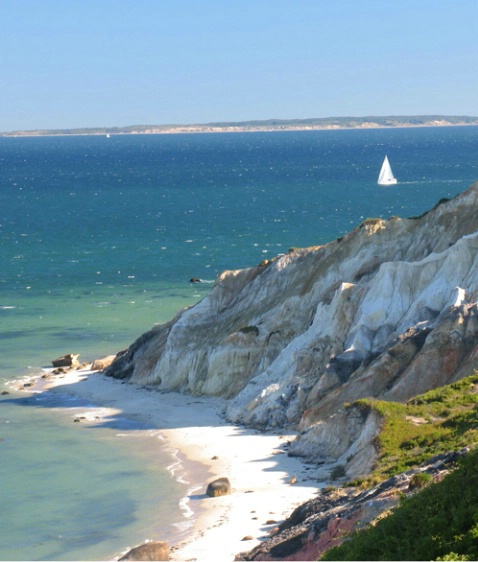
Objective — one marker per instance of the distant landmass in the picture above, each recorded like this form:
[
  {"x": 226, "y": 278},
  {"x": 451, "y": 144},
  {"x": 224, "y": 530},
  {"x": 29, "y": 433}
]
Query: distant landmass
[{"x": 266, "y": 125}]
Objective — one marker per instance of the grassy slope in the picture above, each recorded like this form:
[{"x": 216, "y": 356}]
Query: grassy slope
[
  {"x": 442, "y": 520},
  {"x": 442, "y": 420}
]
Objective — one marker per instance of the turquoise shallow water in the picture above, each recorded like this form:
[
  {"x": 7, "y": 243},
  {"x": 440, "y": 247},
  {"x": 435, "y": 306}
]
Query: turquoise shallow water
[
  {"x": 99, "y": 238},
  {"x": 70, "y": 492},
  {"x": 40, "y": 326},
  {"x": 73, "y": 493}
]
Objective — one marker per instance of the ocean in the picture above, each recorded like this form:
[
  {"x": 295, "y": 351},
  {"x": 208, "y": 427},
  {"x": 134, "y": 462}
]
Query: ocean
[{"x": 99, "y": 239}]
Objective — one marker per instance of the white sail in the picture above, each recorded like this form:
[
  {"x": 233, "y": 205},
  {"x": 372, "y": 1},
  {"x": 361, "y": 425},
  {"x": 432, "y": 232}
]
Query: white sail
[{"x": 386, "y": 175}]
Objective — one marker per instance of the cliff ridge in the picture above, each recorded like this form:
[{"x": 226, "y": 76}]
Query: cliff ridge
[{"x": 388, "y": 311}]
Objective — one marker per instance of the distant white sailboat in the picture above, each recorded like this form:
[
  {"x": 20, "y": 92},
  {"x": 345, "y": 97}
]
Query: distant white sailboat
[{"x": 386, "y": 176}]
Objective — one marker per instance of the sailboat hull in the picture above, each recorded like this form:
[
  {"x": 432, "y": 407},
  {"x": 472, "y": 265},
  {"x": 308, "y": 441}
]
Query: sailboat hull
[{"x": 391, "y": 181}]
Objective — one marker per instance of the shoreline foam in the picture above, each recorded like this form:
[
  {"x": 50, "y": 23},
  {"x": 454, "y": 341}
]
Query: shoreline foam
[{"x": 207, "y": 447}]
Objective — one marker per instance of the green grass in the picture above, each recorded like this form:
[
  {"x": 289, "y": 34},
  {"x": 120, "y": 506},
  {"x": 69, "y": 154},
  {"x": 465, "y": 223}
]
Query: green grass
[
  {"x": 442, "y": 420},
  {"x": 438, "y": 523}
]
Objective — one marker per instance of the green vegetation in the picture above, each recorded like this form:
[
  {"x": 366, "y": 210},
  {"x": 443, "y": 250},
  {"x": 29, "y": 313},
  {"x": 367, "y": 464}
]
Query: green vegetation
[
  {"x": 337, "y": 472},
  {"x": 438, "y": 523},
  {"x": 420, "y": 480},
  {"x": 440, "y": 421}
]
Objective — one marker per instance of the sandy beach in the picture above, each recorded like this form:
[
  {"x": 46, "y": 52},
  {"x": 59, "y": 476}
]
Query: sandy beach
[{"x": 256, "y": 464}]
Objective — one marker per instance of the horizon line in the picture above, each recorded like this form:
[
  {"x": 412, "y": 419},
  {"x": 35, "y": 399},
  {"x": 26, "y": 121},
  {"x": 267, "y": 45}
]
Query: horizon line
[{"x": 271, "y": 124}]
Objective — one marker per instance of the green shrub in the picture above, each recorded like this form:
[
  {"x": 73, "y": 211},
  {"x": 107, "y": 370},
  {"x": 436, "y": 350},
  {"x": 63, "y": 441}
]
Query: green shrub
[
  {"x": 440, "y": 522},
  {"x": 337, "y": 472},
  {"x": 420, "y": 480}
]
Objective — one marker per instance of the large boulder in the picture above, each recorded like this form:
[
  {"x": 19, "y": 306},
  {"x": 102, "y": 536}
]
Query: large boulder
[
  {"x": 70, "y": 360},
  {"x": 149, "y": 551},
  {"x": 219, "y": 487}
]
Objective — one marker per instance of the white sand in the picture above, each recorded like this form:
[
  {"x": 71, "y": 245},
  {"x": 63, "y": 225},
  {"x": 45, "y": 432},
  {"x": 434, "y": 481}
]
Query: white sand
[{"x": 256, "y": 464}]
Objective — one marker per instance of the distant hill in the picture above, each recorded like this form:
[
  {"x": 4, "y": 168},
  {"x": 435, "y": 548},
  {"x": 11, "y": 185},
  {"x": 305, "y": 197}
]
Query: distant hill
[{"x": 368, "y": 122}]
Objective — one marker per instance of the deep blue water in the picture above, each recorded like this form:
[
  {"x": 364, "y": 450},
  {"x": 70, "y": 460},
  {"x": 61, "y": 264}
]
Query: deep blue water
[
  {"x": 100, "y": 236},
  {"x": 162, "y": 208}
]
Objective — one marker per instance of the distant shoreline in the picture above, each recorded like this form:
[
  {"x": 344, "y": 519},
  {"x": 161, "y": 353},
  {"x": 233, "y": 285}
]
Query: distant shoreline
[{"x": 266, "y": 126}]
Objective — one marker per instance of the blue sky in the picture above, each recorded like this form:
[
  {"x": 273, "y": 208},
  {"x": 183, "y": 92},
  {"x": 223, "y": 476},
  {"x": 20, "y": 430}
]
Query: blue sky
[{"x": 75, "y": 63}]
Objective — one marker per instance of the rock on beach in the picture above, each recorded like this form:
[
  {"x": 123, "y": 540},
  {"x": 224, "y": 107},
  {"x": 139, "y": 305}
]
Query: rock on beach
[
  {"x": 69, "y": 360},
  {"x": 101, "y": 364},
  {"x": 158, "y": 550},
  {"x": 219, "y": 487}
]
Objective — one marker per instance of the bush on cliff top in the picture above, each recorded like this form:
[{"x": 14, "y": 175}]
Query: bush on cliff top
[{"x": 438, "y": 523}]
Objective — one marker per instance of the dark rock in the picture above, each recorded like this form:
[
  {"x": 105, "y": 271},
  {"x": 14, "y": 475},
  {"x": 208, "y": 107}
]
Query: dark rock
[
  {"x": 250, "y": 330},
  {"x": 148, "y": 551},
  {"x": 70, "y": 360},
  {"x": 345, "y": 364},
  {"x": 195, "y": 280},
  {"x": 218, "y": 487}
]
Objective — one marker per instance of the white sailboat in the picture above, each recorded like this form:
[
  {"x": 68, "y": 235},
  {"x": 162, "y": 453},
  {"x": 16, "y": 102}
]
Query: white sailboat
[{"x": 386, "y": 175}]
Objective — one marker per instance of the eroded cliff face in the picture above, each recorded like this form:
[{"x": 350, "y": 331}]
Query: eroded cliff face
[{"x": 388, "y": 311}]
